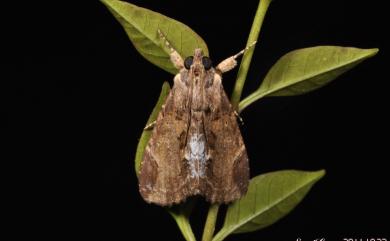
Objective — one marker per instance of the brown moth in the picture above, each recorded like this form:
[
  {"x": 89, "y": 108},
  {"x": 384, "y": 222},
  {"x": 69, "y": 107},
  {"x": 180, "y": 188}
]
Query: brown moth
[{"x": 196, "y": 147}]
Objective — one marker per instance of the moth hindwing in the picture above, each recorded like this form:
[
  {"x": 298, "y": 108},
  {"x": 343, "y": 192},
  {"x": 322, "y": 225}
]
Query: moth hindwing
[{"x": 196, "y": 147}]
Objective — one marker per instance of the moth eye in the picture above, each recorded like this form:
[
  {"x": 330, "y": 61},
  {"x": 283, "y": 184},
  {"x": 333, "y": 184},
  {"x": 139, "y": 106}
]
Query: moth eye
[
  {"x": 207, "y": 63},
  {"x": 188, "y": 62}
]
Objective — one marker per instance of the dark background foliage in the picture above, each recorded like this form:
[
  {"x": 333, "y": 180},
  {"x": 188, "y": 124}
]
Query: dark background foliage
[{"x": 76, "y": 95}]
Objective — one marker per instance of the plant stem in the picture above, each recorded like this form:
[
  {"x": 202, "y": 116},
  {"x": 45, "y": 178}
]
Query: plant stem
[
  {"x": 246, "y": 59},
  {"x": 181, "y": 213},
  {"x": 209, "y": 227}
]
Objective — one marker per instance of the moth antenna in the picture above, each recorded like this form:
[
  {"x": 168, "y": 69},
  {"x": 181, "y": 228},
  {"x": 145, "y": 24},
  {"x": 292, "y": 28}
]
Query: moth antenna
[
  {"x": 167, "y": 43},
  {"x": 176, "y": 59},
  {"x": 231, "y": 62},
  {"x": 243, "y": 51}
]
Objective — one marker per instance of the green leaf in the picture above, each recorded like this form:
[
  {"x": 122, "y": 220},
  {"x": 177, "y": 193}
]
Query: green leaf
[
  {"x": 141, "y": 26},
  {"x": 269, "y": 198},
  {"x": 307, "y": 69},
  {"x": 181, "y": 213},
  {"x": 143, "y": 141}
]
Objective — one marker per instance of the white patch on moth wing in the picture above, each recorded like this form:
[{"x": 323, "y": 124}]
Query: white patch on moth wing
[
  {"x": 197, "y": 157},
  {"x": 149, "y": 187}
]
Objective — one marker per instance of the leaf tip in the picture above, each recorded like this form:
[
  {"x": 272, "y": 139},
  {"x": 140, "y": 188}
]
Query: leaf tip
[
  {"x": 320, "y": 173},
  {"x": 374, "y": 51},
  {"x": 368, "y": 53}
]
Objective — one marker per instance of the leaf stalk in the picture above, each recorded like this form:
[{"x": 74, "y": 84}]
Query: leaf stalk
[{"x": 211, "y": 219}]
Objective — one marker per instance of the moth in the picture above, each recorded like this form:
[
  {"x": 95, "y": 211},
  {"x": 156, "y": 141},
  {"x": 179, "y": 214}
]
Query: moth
[{"x": 196, "y": 147}]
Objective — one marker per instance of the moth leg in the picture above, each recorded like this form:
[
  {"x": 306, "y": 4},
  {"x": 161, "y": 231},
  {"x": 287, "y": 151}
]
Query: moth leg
[
  {"x": 231, "y": 62},
  {"x": 239, "y": 117},
  {"x": 150, "y": 126},
  {"x": 176, "y": 59}
]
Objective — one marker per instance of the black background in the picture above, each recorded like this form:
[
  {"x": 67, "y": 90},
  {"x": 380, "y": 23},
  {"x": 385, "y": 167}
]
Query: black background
[{"x": 76, "y": 95}]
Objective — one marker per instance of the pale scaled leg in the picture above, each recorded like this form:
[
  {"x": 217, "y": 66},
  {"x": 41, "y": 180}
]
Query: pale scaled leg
[
  {"x": 231, "y": 62},
  {"x": 239, "y": 117},
  {"x": 176, "y": 59},
  {"x": 150, "y": 126}
]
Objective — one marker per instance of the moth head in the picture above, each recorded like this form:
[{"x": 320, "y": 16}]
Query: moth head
[{"x": 198, "y": 63}]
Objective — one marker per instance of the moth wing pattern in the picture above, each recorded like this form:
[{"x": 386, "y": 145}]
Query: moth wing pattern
[
  {"x": 228, "y": 169},
  {"x": 163, "y": 177},
  {"x": 196, "y": 145}
]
